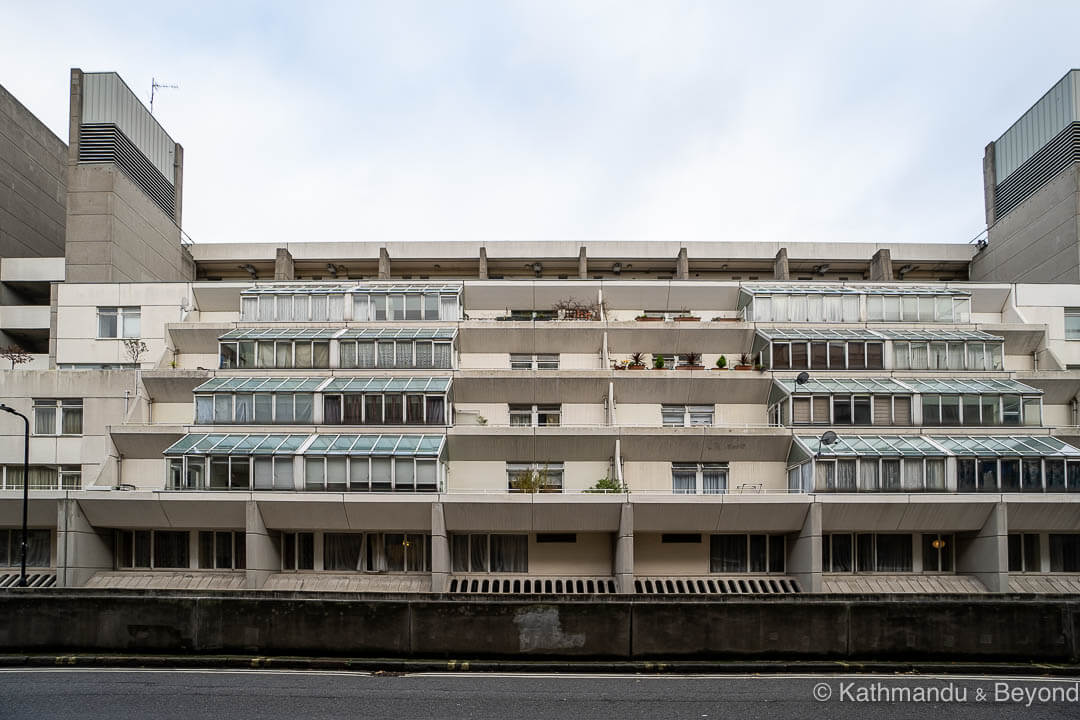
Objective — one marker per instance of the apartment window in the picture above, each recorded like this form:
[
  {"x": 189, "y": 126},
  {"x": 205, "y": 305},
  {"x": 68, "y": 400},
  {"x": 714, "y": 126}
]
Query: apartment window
[
  {"x": 534, "y": 477},
  {"x": 118, "y": 322},
  {"x": 1072, "y": 323},
  {"x": 526, "y": 361},
  {"x": 230, "y": 472},
  {"x": 821, "y": 355},
  {"x": 379, "y": 409},
  {"x": 981, "y": 410},
  {"x": 747, "y": 553},
  {"x": 974, "y": 355},
  {"x": 1024, "y": 552},
  {"x": 58, "y": 417},
  {"x": 376, "y": 552},
  {"x": 699, "y": 478},
  {"x": 687, "y": 415},
  {"x": 866, "y": 552},
  {"x": 1065, "y": 553},
  {"x": 152, "y": 549},
  {"x": 222, "y": 550},
  {"x": 297, "y": 551},
  {"x": 42, "y": 477},
  {"x": 937, "y": 552},
  {"x": 403, "y": 354},
  {"x": 38, "y": 548},
  {"x": 536, "y": 415},
  {"x": 494, "y": 552}
]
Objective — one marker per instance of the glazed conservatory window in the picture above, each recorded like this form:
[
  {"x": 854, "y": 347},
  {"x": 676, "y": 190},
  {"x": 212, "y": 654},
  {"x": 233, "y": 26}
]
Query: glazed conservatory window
[{"x": 1072, "y": 323}]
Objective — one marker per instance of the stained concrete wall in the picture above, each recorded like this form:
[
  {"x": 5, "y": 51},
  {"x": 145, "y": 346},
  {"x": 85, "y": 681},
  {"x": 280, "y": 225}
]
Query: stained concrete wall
[
  {"x": 116, "y": 233},
  {"x": 872, "y": 627},
  {"x": 1038, "y": 241},
  {"x": 33, "y": 187}
]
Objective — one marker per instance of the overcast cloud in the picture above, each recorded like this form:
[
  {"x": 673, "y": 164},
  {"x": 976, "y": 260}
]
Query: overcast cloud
[{"x": 860, "y": 121}]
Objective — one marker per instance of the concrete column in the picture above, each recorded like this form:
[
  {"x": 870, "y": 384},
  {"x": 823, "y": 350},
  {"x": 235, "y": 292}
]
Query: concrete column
[
  {"x": 986, "y": 555},
  {"x": 483, "y": 264},
  {"x": 440, "y": 550},
  {"x": 284, "y": 267},
  {"x": 263, "y": 554},
  {"x": 178, "y": 185},
  {"x": 990, "y": 183},
  {"x": 582, "y": 264},
  {"x": 780, "y": 266},
  {"x": 81, "y": 550},
  {"x": 881, "y": 266},
  {"x": 74, "y": 116},
  {"x": 52, "y": 324},
  {"x": 804, "y": 554},
  {"x": 384, "y": 264},
  {"x": 682, "y": 266},
  {"x": 624, "y": 551}
]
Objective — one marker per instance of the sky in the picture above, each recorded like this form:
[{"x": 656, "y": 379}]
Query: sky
[{"x": 549, "y": 120}]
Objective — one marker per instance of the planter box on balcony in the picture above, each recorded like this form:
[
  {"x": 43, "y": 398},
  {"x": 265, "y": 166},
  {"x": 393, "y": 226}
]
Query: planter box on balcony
[
  {"x": 690, "y": 367},
  {"x": 687, "y": 318},
  {"x": 744, "y": 367},
  {"x": 639, "y": 366},
  {"x": 642, "y": 318}
]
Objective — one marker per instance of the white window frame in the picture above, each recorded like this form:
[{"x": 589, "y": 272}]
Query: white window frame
[
  {"x": 122, "y": 315},
  {"x": 699, "y": 470}
]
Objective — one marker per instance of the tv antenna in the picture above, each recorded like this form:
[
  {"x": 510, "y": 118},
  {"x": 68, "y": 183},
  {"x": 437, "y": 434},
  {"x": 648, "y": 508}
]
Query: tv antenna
[{"x": 154, "y": 87}]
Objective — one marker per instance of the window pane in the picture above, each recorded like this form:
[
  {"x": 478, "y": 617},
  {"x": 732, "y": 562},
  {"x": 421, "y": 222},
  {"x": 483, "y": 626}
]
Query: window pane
[
  {"x": 856, "y": 352},
  {"x": 403, "y": 355},
  {"x": 303, "y": 354},
  {"x": 894, "y": 553},
  {"x": 171, "y": 549},
  {"x": 314, "y": 473},
  {"x": 758, "y": 553},
  {"x": 223, "y": 408},
  {"x": 781, "y": 356},
  {"x": 264, "y": 408},
  {"x": 304, "y": 403},
  {"x": 798, "y": 356},
  {"x": 45, "y": 420},
  {"x": 404, "y": 474},
  {"x": 684, "y": 481},
  {"x": 284, "y": 408},
  {"x": 283, "y": 473},
  {"x": 1032, "y": 412},
  {"x": 965, "y": 475},
  {"x": 478, "y": 553},
  {"x": 239, "y": 473},
  {"x": 459, "y": 553},
  {"x": 727, "y": 553},
  {"x": 107, "y": 322},
  {"x": 841, "y": 553},
  {"x": 510, "y": 553},
  {"x": 320, "y": 357}
]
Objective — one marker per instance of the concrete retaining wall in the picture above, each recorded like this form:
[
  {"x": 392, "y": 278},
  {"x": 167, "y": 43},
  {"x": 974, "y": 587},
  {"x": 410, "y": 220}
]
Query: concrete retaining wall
[{"x": 868, "y": 628}]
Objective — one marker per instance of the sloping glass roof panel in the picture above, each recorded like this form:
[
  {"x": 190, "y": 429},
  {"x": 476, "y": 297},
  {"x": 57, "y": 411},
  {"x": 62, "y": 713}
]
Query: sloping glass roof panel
[
  {"x": 783, "y": 333},
  {"x": 321, "y": 288},
  {"x": 1007, "y": 446},
  {"x": 933, "y": 334},
  {"x": 262, "y": 384},
  {"x": 971, "y": 386},
  {"x": 380, "y": 384},
  {"x": 235, "y": 444},
  {"x": 872, "y": 445},
  {"x": 442, "y": 333},
  {"x": 845, "y": 385},
  {"x": 835, "y": 289},
  {"x": 442, "y": 288},
  {"x": 382, "y": 445},
  {"x": 312, "y": 333}
]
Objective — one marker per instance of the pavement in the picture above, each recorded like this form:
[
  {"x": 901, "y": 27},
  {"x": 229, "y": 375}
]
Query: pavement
[{"x": 260, "y": 693}]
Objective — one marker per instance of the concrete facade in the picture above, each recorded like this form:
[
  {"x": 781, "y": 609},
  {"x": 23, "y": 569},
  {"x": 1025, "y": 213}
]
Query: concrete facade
[{"x": 33, "y": 186}]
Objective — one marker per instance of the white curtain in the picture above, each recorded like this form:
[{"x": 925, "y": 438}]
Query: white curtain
[
  {"x": 442, "y": 356},
  {"x": 510, "y": 553}
]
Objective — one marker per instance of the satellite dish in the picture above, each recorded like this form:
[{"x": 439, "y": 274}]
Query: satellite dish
[
  {"x": 802, "y": 378},
  {"x": 828, "y": 437}
]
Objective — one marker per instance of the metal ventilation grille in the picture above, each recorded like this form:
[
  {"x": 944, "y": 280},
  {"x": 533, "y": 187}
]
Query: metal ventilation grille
[
  {"x": 36, "y": 580},
  {"x": 105, "y": 143},
  {"x": 533, "y": 586},
  {"x": 716, "y": 586},
  {"x": 1038, "y": 170}
]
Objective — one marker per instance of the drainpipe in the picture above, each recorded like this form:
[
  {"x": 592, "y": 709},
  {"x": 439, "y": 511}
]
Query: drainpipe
[
  {"x": 1076, "y": 410},
  {"x": 1034, "y": 359}
]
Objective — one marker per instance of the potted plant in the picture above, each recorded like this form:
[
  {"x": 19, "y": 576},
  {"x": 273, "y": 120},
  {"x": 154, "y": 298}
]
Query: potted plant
[
  {"x": 693, "y": 362},
  {"x": 620, "y": 364},
  {"x": 658, "y": 362},
  {"x": 648, "y": 318},
  {"x": 721, "y": 363},
  {"x": 744, "y": 362},
  {"x": 637, "y": 362}
]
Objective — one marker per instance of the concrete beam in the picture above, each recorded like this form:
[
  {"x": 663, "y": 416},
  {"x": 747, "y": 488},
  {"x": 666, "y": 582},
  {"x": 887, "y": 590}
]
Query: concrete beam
[
  {"x": 780, "y": 265},
  {"x": 81, "y": 550},
  {"x": 990, "y": 183},
  {"x": 986, "y": 555},
  {"x": 284, "y": 267},
  {"x": 682, "y": 266},
  {"x": 881, "y": 266},
  {"x": 582, "y": 264},
  {"x": 483, "y": 264},
  {"x": 804, "y": 554},
  {"x": 384, "y": 264},
  {"x": 440, "y": 550},
  {"x": 624, "y": 551},
  {"x": 263, "y": 555}
]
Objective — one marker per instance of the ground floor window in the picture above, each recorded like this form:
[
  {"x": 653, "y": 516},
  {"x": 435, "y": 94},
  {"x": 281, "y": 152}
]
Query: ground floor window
[
  {"x": 866, "y": 552},
  {"x": 1024, "y": 552},
  {"x": 297, "y": 551},
  {"x": 220, "y": 550},
  {"x": 377, "y": 552},
  {"x": 490, "y": 552},
  {"x": 153, "y": 549},
  {"x": 1065, "y": 553},
  {"x": 747, "y": 553},
  {"x": 38, "y": 548}
]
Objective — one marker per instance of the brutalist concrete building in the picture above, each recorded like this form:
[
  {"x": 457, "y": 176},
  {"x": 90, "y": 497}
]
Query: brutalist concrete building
[{"x": 677, "y": 418}]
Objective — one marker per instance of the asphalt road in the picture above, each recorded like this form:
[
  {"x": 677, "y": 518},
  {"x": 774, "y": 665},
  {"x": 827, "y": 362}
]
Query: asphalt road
[{"x": 237, "y": 694}]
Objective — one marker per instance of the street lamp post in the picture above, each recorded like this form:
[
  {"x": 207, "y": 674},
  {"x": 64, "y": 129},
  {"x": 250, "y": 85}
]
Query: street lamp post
[{"x": 26, "y": 486}]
